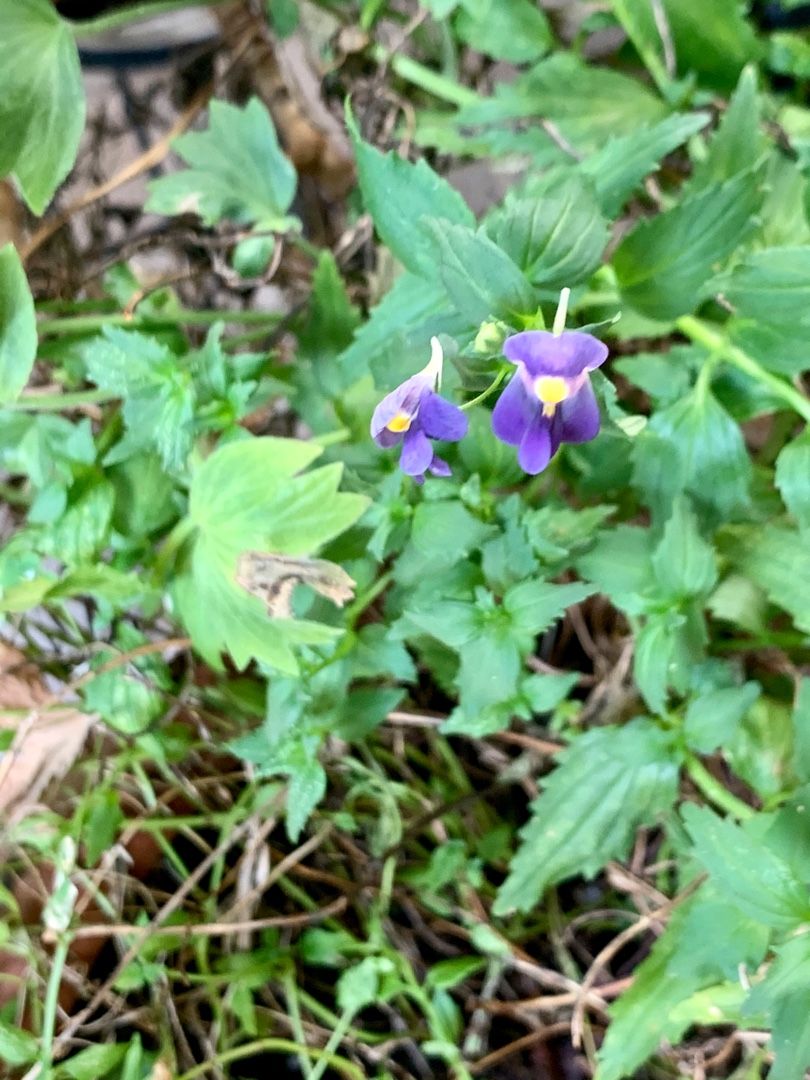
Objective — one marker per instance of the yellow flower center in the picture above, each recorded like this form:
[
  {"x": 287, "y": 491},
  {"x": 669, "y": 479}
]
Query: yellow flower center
[
  {"x": 400, "y": 422},
  {"x": 551, "y": 390}
]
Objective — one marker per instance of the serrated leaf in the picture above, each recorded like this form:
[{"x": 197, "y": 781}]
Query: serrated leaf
[
  {"x": 683, "y": 563},
  {"x": 665, "y": 647},
  {"x": 585, "y": 102},
  {"x": 246, "y": 496},
  {"x": 793, "y": 479},
  {"x": 712, "y": 718},
  {"x": 481, "y": 280},
  {"x": 157, "y": 392},
  {"x": 771, "y": 286},
  {"x": 554, "y": 232},
  {"x": 663, "y": 264},
  {"x": 621, "y": 164},
  {"x": 778, "y": 560},
  {"x": 398, "y": 194},
  {"x": 620, "y": 565},
  {"x": 236, "y": 171},
  {"x": 18, "y": 326},
  {"x": 738, "y": 144},
  {"x": 605, "y": 784},
  {"x": 534, "y": 605},
  {"x": 42, "y": 104},
  {"x": 746, "y": 871},
  {"x": 685, "y": 443},
  {"x": 678, "y": 966},
  {"x": 517, "y": 31},
  {"x": 17, "y": 1047}
]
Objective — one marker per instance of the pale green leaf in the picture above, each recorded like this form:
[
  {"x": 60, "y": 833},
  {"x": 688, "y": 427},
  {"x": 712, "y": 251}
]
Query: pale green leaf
[
  {"x": 801, "y": 730},
  {"x": 738, "y": 144},
  {"x": 605, "y": 784},
  {"x": 236, "y": 171},
  {"x": 517, "y": 31},
  {"x": 778, "y": 560},
  {"x": 18, "y": 327},
  {"x": 42, "y": 104},
  {"x": 683, "y": 562},
  {"x": 771, "y": 286}
]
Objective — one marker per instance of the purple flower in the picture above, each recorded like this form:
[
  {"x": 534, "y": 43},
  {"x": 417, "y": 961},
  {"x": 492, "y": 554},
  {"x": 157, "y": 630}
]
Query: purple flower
[
  {"x": 413, "y": 414},
  {"x": 549, "y": 399}
]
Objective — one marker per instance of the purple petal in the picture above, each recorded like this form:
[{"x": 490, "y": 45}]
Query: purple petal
[
  {"x": 417, "y": 453},
  {"x": 513, "y": 412},
  {"x": 536, "y": 447},
  {"x": 441, "y": 419},
  {"x": 404, "y": 399},
  {"x": 439, "y": 467},
  {"x": 569, "y": 354},
  {"x": 580, "y": 416},
  {"x": 386, "y": 438}
]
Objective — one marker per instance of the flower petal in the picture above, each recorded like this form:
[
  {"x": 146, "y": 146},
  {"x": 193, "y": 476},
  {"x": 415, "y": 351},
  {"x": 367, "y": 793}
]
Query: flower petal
[
  {"x": 569, "y": 354},
  {"x": 536, "y": 447},
  {"x": 441, "y": 419},
  {"x": 580, "y": 416},
  {"x": 405, "y": 398},
  {"x": 439, "y": 467},
  {"x": 513, "y": 412},
  {"x": 386, "y": 438},
  {"x": 417, "y": 453}
]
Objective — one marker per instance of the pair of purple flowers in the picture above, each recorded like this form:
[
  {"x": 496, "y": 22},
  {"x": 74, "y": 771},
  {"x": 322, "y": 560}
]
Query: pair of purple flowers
[{"x": 548, "y": 401}]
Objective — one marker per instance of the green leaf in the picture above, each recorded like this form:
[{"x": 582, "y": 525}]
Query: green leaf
[
  {"x": 771, "y": 286},
  {"x": 712, "y": 718},
  {"x": 793, "y": 479},
  {"x": 516, "y": 31},
  {"x": 398, "y": 194},
  {"x": 738, "y": 143},
  {"x": 667, "y": 646},
  {"x": 480, "y": 278},
  {"x": 554, "y": 232},
  {"x": 684, "y": 564},
  {"x": 746, "y": 870},
  {"x": 714, "y": 41},
  {"x": 17, "y": 1047},
  {"x": 678, "y": 965},
  {"x": 534, "y": 605},
  {"x": 237, "y": 171},
  {"x": 156, "y": 388},
  {"x": 801, "y": 730},
  {"x": 246, "y": 496},
  {"x": 93, "y": 1062},
  {"x": 606, "y": 783},
  {"x": 791, "y": 1036},
  {"x": 394, "y": 341},
  {"x": 683, "y": 445},
  {"x": 778, "y": 560},
  {"x": 586, "y": 103},
  {"x": 18, "y": 326},
  {"x": 663, "y": 264},
  {"x": 42, "y": 103},
  {"x": 621, "y": 164},
  {"x": 620, "y": 565}
]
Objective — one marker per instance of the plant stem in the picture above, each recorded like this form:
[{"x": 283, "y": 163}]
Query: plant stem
[
  {"x": 84, "y": 324},
  {"x": 335, "y": 1039},
  {"x": 57, "y": 402},
  {"x": 133, "y": 13},
  {"x": 425, "y": 78},
  {"x": 714, "y": 791},
  {"x": 275, "y": 1046},
  {"x": 489, "y": 390},
  {"x": 51, "y": 1000},
  {"x": 702, "y": 333}
]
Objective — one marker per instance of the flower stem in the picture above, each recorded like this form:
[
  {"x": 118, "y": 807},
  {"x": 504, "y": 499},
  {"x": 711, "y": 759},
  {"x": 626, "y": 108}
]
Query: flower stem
[
  {"x": 714, "y": 791},
  {"x": 702, "y": 333},
  {"x": 562, "y": 313},
  {"x": 425, "y": 78},
  {"x": 58, "y": 402},
  {"x": 85, "y": 324},
  {"x": 489, "y": 390}
]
